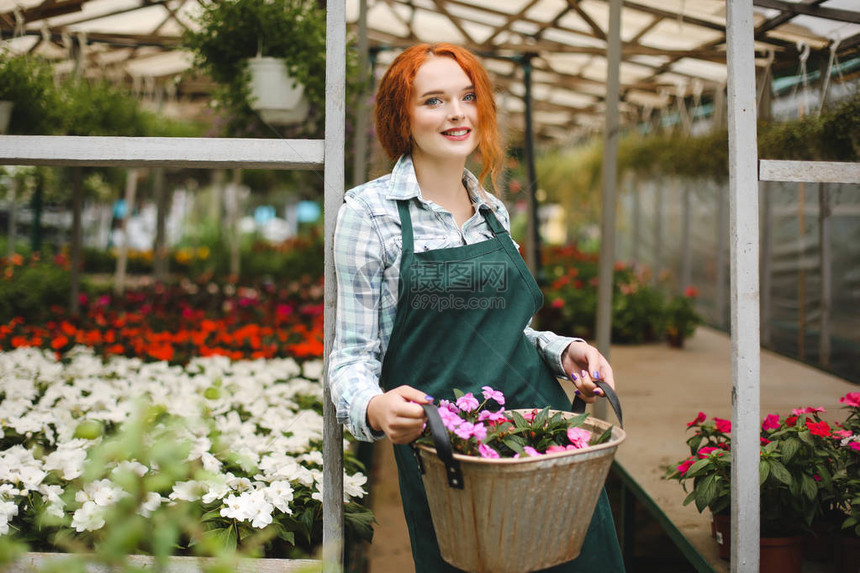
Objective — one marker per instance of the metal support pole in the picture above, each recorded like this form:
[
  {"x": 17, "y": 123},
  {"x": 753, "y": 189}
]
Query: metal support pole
[
  {"x": 533, "y": 251},
  {"x": 76, "y": 240},
  {"x": 686, "y": 246},
  {"x": 766, "y": 260},
  {"x": 824, "y": 212},
  {"x": 658, "y": 232},
  {"x": 362, "y": 111},
  {"x": 335, "y": 129},
  {"x": 746, "y": 365},
  {"x": 610, "y": 180}
]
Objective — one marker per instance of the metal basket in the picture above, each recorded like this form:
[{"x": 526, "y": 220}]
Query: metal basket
[{"x": 513, "y": 515}]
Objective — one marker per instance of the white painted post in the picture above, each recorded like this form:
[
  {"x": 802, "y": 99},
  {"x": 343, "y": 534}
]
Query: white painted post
[
  {"x": 766, "y": 202},
  {"x": 658, "y": 231},
  {"x": 610, "y": 181},
  {"x": 335, "y": 129},
  {"x": 362, "y": 111},
  {"x": 746, "y": 368},
  {"x": 122, "y": 250},
  {"x": 686, "y": 244},
  {"x": 722, "y": 239},
  {"x": 826, "y": 273}
]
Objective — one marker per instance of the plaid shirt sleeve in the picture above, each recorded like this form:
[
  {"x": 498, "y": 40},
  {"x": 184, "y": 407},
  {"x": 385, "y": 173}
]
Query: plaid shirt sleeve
[
  {"x": 549, "y": 345},
  {"x": 354, "y": 363}
]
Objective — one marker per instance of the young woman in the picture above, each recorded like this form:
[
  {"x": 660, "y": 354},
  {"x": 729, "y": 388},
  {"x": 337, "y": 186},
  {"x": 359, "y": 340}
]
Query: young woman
[{"x": 432, "y": 292}]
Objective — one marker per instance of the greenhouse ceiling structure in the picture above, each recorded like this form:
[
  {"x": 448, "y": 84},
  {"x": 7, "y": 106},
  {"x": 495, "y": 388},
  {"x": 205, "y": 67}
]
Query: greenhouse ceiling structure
[{"x": 673, "y": 51}]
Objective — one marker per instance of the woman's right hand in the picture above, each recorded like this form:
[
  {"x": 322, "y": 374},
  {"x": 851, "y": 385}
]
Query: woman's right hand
[{"x": 398, "y": 413}]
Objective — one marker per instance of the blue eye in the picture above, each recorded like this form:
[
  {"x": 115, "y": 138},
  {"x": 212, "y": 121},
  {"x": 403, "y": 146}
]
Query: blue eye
[
  {"x": 433, "y": 101},
  {"x": 470, "y": 97}
]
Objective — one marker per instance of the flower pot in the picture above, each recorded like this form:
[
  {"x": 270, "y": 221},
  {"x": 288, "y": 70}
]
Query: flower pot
[
  {"x": 822, "y": 542},
  {"x": 5, "y": 115},
  {"x": 849, "y": 554},
  {"x": 781, "y": 554},
  {"x": 721, "y": 528},
  {"x": 275, "y": 95}
]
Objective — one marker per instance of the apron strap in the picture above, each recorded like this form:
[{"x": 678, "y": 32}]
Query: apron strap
[
  {"x": 405, "y": 225},
  {"x": 494, "y": 224}
]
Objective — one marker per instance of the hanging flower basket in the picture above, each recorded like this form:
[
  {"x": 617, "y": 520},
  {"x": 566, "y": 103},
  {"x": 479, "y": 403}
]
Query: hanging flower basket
[
  {"x": 275, "y": 95},
  {"x": 489, "y": 514}
]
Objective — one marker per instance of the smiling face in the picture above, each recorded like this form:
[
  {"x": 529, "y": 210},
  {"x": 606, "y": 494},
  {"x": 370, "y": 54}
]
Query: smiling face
[{"x": 444, "y": 111}]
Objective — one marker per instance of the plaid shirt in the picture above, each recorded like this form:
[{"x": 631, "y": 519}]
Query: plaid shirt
[{"x": 367, "y": 248}]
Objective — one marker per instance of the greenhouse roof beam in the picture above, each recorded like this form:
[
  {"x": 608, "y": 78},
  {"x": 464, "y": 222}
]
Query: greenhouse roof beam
[{"x": 812, "y": 9}]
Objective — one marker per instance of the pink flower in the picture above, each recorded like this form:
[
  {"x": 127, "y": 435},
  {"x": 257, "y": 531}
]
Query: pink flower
[
  {"x": 699, "y": 419},
  {"x": 771, "y": 422},
  {"x": 467, "y": 430},
  {"x": 555, "y": 448},
  {"x": 450, "y": 419},
  {"x": 764, "y": 441},
  {"x": 487, "y": 452},
  {"x": 724, "y": 426},
  {"x": 578, "y": 437},
  {"x": 685, "y": 465},
  {"x": 490, "y": 394},
  {"x": 816, "y": 477},
  {"x": 807, "y": 410},
  {"x": 705, "y": 452},
  {"x": 842, "y": 433},
  {"x": 531, "y": 451},
  {"x": 851, "y": 398},
  {"x": 530, "y": 416},
  {"x": 492, "y": 416},
  {"x": 854, "y": 446},
  {"x": 447, "y": 405},
  {"x": 467, "y": 403}
]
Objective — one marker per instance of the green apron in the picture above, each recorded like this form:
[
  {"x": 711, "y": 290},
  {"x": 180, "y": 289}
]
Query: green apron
[{"x": 459, "y": 324}]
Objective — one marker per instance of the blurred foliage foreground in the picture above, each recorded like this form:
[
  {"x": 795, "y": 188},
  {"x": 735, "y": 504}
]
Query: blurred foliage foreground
[{"x": 175, "y": 419}]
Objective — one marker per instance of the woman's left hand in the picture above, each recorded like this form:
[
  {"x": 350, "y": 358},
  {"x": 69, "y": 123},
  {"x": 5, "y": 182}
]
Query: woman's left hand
[{"x": 584, "y": 364}]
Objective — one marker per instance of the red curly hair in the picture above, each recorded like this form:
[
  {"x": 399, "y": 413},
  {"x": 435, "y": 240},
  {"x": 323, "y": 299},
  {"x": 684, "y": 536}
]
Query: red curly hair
[{"x": 394, "y": 122}]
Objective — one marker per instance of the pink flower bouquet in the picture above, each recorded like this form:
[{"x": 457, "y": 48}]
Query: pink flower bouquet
[{"x": 480, "y": 426}]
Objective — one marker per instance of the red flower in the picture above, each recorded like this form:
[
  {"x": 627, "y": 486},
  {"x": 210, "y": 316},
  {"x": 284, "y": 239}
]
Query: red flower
[
  {"x": 771, "y": 422},
  {"x": 818, "y": 429},
  {"x": 764, "y": 441},
  {"x": 851, "y": 398},
  {"x": 705, "y": 452},
  {"x": 724, "y": 426},
  {"x": 791, "y": 421},
  {"x": 699, "y": 419},
  {"x": 558, "y": 303},
  {"x": 691, "y": 292}
]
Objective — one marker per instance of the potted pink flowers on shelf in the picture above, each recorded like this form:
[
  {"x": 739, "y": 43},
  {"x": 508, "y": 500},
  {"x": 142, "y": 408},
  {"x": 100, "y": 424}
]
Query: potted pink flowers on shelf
[{"x": 485, "y": 429}]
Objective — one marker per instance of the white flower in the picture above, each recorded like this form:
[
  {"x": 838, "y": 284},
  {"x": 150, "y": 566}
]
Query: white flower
[
  {"x": 314, "y": 457},
  {"x": 352, "y": 485},
  {"x": 216, "y": 488},
  {"x": 68, "y": 459},
  {"x": 8, "y": 510},
  {"x": 235, "y": 507},
  {"x": 280, "y": 494},
  {"x": 210, "y": 462},
  {"x": 201, "y": 446},
  {"x": 51, "y": 496},
  {"x": 30, "y": 477},
  {"x": 150, "y": 504},
  {"x": 89, "y": 517},
  {"x": 187, "y": 490},
  {"x": 130, "y": 466}
]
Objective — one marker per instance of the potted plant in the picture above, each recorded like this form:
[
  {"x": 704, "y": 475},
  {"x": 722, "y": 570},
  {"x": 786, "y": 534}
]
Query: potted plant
[
  {"x": 798, "y": 461},
  {"x": 27, "y": 84},
  {"x": 284, "y": 36},
  {"x": 847, "y": 482},
  {"x": 681, "y": 317}
]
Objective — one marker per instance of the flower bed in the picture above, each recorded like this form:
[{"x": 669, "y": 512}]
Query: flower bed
[
  {"x": 137, "y": 457},
  {"x": 176, "y": 323}
]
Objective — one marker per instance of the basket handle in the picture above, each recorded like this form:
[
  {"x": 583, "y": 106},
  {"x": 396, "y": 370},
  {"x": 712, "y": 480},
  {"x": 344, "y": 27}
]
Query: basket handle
[
  {"x": 439, "y": 433},
  {"x": 578, "y": 406}
]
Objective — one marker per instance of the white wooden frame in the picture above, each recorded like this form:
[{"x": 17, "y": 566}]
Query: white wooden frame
[{"x": 251, "y": 154}]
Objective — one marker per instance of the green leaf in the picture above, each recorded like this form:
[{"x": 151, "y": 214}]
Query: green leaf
[
  {"x": 700, "y": 465},
  {"x": 458, "y": 394},
  {"x": 690, "y": 497},
  {"x": 779, "y": 472},
  {"x": 541, "y": 418},
  {"x": 788, "y": 448},
  {"x": 224, "y": 536},
  {"x": 694, "y": 443},
  {"x": 706, "y": 492},
  {"x": 808, "y": 487},
  {"x": 519, "y": 421},
  {"x": 763, "y": 471},
  {"x": 514, "y": 444},
  {"x": 360, "y": 521},
  {"x": 806, "y": 437},
  {"x": 604, "y": 437}
]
